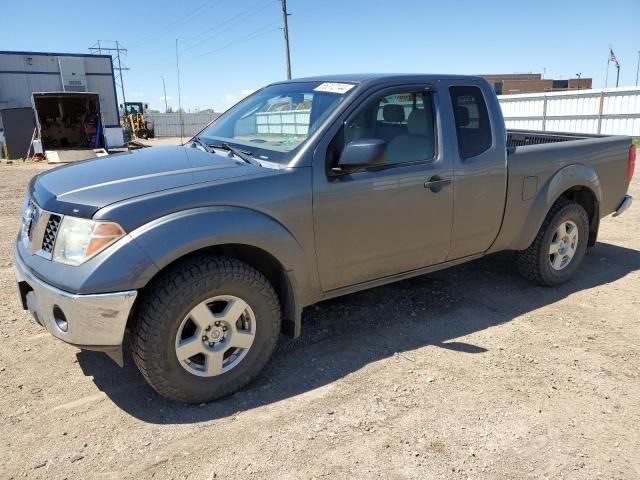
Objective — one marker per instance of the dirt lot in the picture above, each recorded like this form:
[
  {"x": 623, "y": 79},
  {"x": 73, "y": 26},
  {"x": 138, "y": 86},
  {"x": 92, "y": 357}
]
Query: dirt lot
[
  {"x": 466, "y": 373},
  {"x": 158, "y": 141}
]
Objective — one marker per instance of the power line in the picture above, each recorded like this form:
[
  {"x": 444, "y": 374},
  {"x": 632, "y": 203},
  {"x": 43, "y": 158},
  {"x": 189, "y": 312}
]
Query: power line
[
  {"x": 228, "y": 23},
  {"x": 251, "y": 11},
  {"x": 181, "y": 20},
  {"x": 255, "y": 34},
  {"x": 251, "y": 36}
]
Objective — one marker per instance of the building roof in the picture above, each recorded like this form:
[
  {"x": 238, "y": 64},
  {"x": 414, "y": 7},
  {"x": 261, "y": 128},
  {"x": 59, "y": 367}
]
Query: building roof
[{"x": 53, "y": 54}]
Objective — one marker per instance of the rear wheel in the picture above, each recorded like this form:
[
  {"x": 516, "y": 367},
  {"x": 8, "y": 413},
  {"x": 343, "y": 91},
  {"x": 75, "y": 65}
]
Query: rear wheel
[
  {"x": 205, "y": 329},
  {"x": 559, "y": 247}
]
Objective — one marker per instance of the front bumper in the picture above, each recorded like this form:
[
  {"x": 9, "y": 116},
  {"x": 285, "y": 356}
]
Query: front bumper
[{"x": 97, "y": 320}]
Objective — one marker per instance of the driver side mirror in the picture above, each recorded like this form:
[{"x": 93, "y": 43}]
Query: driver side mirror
[{"x": 362, "y": 153}]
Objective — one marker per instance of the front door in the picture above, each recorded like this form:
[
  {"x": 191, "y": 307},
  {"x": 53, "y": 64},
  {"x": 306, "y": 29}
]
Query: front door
[{"x": 391, "y": 218}]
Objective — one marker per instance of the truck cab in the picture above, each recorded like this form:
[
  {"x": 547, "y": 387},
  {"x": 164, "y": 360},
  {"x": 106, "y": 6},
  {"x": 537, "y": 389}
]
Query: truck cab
[{"x": 451, "y": 214}]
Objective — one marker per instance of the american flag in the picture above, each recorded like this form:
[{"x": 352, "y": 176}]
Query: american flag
[{"x": 613, "y": 58}]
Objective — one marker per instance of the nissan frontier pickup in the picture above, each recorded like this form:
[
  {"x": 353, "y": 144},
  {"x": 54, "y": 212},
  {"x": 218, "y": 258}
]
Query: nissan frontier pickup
[{"x": 306, "y": 190}]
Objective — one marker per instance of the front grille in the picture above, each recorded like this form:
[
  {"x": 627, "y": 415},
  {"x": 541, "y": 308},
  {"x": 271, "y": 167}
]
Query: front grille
[{"x": 50, "y": 232}]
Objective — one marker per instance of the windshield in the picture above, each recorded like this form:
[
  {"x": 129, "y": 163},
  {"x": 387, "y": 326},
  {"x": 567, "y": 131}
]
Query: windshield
[{"x": 274, "y": 121}]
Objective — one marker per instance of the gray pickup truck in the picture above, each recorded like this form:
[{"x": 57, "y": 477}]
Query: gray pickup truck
[{"x": 306, "y": 190}]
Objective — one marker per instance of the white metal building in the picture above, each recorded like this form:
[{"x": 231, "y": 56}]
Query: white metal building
[{"x": 25, "y": 73}]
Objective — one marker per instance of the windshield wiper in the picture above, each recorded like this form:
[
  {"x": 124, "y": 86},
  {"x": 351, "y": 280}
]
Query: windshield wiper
[
  {"x": 202, "y": 144},
  {"x": 241, "y": 154}
]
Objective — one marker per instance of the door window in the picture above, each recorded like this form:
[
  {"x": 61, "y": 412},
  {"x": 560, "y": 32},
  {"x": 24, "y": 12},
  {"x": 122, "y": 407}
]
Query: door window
[
  {"x": 473, "y": 127},
  {"x": 404, "y": 120}
]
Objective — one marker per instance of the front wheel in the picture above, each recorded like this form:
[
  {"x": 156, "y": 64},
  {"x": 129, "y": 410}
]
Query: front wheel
[
  {"x": 205, "y": 328},
  {"x": 142, "y": 133},
  {"x": 559, "y": 247}
]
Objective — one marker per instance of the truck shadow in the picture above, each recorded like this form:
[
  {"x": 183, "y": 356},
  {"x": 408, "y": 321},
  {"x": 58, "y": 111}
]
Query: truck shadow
[{"x": 343, "y": 335}]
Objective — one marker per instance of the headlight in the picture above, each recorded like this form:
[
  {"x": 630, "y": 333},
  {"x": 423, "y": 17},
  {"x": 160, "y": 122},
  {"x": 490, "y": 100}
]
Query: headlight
[{"x": 80, "y": 239}]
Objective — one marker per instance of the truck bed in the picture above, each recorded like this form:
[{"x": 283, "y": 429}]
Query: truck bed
[
  {"x": 520, "y": 138},
  {"x": 533, "y": 160}
]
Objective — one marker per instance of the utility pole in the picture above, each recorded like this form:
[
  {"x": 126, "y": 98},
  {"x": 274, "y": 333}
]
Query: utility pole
[
  {"x": 179, "y": 95},
  {"x": 579, "y": 75},
  {"x": 119, "y": 49},
  {"x": 124, "y": 99},
  {"x": 285, "y": 22},
  {"x": 164, "y": 87}
]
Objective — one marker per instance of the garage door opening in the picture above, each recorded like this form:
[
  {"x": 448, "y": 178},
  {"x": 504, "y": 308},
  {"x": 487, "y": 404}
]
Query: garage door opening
[{"x": 68, "y": 120}]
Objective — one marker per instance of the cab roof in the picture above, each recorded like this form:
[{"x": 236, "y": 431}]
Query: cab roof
[{"x": 382, "y": 77}]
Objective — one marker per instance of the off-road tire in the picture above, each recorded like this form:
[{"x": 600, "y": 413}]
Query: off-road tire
[
  {"x": 533, "y": 263},
  {"x": 170, "y": 297}
]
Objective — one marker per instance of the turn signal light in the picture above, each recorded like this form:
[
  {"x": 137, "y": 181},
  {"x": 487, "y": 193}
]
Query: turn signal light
[{"x": 103, "y": 235}]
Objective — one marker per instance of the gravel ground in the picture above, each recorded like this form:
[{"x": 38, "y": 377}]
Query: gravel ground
[
  {"x": 466, "y": 373},
  {"x": 154, "y": 142}
]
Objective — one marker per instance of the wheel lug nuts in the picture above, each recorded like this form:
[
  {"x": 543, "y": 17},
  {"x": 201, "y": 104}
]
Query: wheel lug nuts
[
  {"x": 208, "y": 328},
  {"x": 217, "y": 324},
  {"x": 224, "y": 329},
  {"x": 211, "y": 344},
  {"x": 205, "y": 338}
]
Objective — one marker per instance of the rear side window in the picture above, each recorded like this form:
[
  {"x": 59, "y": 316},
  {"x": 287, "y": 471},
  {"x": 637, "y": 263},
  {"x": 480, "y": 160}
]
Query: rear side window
[{"x": 472, "y": 121}]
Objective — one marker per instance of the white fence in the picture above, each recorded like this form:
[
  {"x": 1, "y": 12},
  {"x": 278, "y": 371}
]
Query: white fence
[
  {"x": 288, "y": 122},
  {"x": 610, "y": 111},
  {"x": 168, "y": 124}
]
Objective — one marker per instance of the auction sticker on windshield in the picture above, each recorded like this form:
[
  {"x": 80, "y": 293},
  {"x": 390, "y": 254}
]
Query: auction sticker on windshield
[{"x": 334, "y": 87}]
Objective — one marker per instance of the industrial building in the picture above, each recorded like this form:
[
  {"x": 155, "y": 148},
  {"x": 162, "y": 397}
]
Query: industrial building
[
  {"x": 507, "y": 84},
  {"x": 65, "y": 101}
]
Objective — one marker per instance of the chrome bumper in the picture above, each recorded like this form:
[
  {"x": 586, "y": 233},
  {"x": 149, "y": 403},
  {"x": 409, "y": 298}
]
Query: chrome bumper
[
  {"x": 626, "y": 203},
  {"x": 82, "y": 320}
]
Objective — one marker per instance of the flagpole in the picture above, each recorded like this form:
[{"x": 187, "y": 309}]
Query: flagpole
[{"x": 618, "y": 75}]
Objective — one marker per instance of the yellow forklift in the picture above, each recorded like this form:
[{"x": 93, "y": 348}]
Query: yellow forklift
[{"x": 134, "y": 125}]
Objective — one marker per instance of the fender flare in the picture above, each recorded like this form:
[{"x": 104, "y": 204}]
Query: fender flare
[
  {"x": 571, "y": 176},
  {"x": 174, "y": 236}
]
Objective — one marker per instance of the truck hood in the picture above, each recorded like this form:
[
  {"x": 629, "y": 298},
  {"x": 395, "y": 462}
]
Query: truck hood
[{"x": 83, "y": 188}]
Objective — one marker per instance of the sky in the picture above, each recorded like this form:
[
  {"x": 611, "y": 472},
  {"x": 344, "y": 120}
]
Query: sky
[{"x": 229, "y": 48}]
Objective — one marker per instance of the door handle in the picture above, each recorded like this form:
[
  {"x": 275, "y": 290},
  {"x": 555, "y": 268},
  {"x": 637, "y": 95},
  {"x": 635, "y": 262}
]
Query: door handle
[{"x": 436, "y": 183}]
